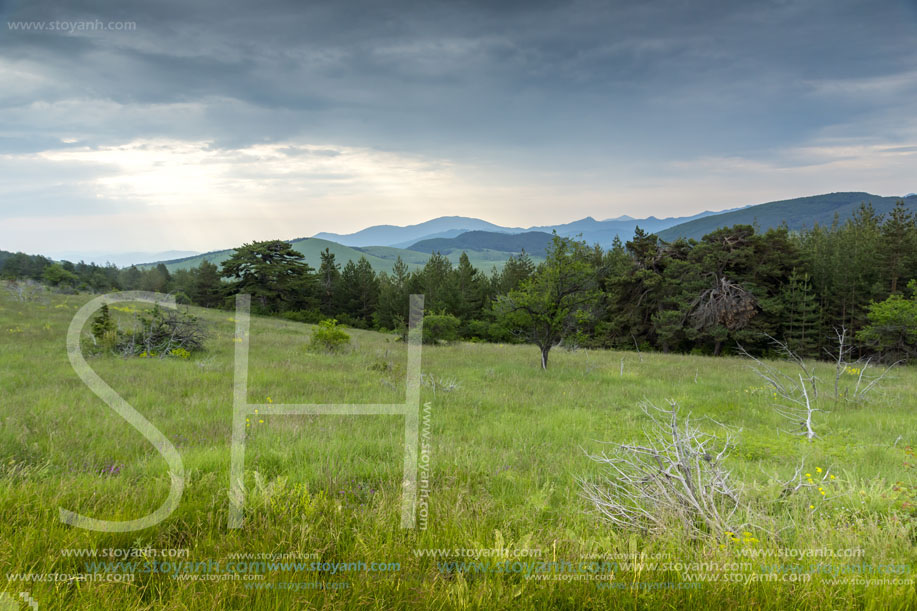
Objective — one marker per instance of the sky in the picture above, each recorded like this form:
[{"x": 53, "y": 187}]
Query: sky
[{"x": 149, "y": 126}]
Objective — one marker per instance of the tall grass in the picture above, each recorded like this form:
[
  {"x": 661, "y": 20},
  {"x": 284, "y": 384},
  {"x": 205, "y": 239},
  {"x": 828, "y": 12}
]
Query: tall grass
[{"x": 508, "y": 444}]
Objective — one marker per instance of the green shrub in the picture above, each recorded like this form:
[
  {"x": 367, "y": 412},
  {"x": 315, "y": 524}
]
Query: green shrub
[
  {"x": 156, "y": 333},
  {"x": 163, "y": 333},
  {"x": 440, "y": 328},
  {"x": 892, "y": 328},
  {"x": 329, "y": 337},
  {"x": 102, "y": 324}
]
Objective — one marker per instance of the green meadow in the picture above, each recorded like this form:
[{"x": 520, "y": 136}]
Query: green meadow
[{"x": 508, "y": 444}]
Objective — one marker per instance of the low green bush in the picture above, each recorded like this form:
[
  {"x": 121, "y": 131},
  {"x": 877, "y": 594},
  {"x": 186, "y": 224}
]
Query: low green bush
[
  {"x": 440, "y": 328},
  {"x": 329, "y": 337},
  {"x": 156, "y": 333}
]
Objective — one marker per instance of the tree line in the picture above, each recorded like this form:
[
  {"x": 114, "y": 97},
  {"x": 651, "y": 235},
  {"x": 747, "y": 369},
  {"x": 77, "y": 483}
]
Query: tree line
[{"x": 735, "y": 286}]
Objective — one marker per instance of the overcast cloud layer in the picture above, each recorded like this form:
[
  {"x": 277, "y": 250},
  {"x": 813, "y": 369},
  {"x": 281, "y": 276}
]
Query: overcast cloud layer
[{"x": 204, "y": 126}]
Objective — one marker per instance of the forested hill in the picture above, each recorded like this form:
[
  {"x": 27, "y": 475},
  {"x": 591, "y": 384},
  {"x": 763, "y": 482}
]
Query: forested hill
[
  {"x": 532, "y": 242},
  {"x": 798, "y": 213},
  {"x": 380, "y": 258}
]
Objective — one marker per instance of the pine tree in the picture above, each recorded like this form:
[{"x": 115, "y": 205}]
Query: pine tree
[
  {"x": 434, "y": 283},
  {"x": 359, "y": 291},
  {"x": 899, "y": 242},
  {"x": 515, "y": 271},
  {"x": 392, "y": 311},
  {"x": 130, "y": 278},
  {"x": 207, "y": 288},
  {"x": 801, "y": 319},
  {"x": 468, "y": 289},
  {"x": 102, "y": 324},
  {"x": 329, "y": 277},
  {"x": 157, "y": 280},
  {"x": 274, "y": 274}
]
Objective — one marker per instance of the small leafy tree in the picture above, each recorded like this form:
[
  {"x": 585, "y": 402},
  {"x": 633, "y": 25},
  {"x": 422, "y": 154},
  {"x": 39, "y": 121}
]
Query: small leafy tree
[
  {"x": 57, "y": 275},
  {"x": 892, "y": 327},
  {"x": 557, "y": 301},
  {"x": 329, "y": 337}
]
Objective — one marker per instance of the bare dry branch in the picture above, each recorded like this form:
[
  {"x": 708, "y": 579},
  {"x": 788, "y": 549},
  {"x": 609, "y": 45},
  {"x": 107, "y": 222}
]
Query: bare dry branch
[
  {"x": 796, "y": 405},
  {"x": 675, "y": 477}
]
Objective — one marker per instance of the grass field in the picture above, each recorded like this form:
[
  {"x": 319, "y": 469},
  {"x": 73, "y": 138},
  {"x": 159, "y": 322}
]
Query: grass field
[{"x": 507, "y": 446}]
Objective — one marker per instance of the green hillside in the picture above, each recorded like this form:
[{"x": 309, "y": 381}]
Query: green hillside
[
  {"x": 536, "y": 242},
  {"x": 798, "y": 213},
  {"x": 380, "y": 257}
]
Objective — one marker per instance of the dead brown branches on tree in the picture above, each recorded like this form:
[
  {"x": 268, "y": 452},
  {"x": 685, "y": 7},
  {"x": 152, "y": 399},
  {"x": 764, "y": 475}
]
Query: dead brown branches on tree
[{"x": 725, "y": 303}]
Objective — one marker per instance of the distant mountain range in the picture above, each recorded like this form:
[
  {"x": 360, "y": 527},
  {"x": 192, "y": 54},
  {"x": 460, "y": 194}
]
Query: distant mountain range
[
  {"x": 591, "y": 230},
  {"x": 799, "y": 213},
  {"x": 401, "y": 237},
  {"x": 121, "y": 259},
  {"x": 489, "y": 245}
]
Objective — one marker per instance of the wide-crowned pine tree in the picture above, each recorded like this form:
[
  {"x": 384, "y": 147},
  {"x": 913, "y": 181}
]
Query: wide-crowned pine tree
[{"x": 274, "y": 274}]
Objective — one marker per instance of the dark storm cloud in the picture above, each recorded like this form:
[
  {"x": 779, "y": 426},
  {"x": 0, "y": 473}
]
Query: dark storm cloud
[
  {"x": 453, "y": 76},
  {"x": 532, "y": 105}
]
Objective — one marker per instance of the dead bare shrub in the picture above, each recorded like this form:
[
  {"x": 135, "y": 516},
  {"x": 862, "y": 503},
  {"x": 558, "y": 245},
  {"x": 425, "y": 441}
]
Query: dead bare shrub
[{"x": 677, "y": 477}]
